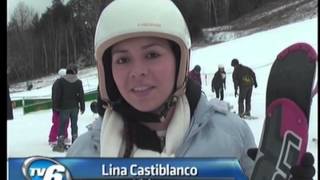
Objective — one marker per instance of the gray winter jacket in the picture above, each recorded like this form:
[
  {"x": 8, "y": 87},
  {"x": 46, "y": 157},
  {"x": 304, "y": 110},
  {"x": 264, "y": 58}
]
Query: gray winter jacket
[{"x": 214, "y": 132}]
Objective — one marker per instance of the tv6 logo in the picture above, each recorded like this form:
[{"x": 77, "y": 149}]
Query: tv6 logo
[{"x": 43, "y": 168}]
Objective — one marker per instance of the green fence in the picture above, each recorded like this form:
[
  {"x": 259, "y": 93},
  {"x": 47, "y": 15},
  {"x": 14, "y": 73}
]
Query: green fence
[
  {"x": 32, "y": 105},
  {"x": 28, "y": 102},
  {"x": 92, "y": 95},
  {"x": 38, "y": 105},
  {"x": 18, "y": 103}
]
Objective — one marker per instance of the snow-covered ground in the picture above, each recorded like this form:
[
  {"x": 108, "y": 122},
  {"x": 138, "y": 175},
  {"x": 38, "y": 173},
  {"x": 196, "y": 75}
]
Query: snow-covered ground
[{"x": 28, "y": 134}]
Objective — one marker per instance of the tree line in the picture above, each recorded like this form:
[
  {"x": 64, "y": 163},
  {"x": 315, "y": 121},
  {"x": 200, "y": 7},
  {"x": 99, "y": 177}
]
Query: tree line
[
  {"x": 63, "y": 34},
  {"x": 39, "y": 45}
]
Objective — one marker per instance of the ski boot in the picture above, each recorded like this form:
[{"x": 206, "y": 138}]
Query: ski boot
[
  {"x": 60, "y": 147},
  {"x": 74, "y": 137}
]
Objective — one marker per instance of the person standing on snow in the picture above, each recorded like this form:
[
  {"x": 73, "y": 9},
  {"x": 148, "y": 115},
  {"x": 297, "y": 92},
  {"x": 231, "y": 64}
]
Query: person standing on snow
[
  {"x": 243, "y": 78},
  {"x": 53, "y": 135},
  {"x": 218, "y": 83},
  {"x": 69, "y": 96},
  {"x": 195, "y": 75},
  {"x": 154, "y": 109}
]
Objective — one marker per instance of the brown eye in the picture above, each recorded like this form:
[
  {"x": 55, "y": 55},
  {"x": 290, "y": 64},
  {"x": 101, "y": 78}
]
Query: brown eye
[
  {"x": 152, "y": 55},
  {"x": 122, "y": 60}
]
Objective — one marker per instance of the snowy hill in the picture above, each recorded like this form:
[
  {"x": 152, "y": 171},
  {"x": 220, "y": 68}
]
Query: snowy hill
[{"x": 28, "y": 134}]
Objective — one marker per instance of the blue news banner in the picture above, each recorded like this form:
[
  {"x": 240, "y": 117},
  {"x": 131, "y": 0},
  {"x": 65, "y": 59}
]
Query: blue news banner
[{"x": 38, "y": 167}]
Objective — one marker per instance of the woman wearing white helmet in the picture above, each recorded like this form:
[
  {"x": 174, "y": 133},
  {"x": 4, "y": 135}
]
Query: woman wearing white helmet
[{"x": 153, "y": 109}]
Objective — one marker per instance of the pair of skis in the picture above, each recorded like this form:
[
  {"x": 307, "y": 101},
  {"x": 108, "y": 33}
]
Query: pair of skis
[{"x": 288, "y": 101}]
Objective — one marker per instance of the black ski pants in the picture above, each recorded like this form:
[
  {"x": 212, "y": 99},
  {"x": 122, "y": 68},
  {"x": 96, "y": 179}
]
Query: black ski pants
[
  {"x": 244, "y": 95},
  {"x": 219, "y": 92},
  {"x": 64, "y": 117}
]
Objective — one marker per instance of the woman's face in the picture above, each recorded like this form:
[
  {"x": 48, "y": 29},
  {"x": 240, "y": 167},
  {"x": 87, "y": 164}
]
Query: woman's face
[{"x": 144, "y": 71}]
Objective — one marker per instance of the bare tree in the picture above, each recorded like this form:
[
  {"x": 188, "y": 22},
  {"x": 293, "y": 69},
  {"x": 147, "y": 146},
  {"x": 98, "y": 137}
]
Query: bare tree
[
  {"x": 19, "y": 42},
  {"x": 23, "y": 16}
]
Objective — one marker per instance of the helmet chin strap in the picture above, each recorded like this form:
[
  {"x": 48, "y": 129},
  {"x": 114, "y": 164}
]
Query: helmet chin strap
[{"x": 172, "y": 101}]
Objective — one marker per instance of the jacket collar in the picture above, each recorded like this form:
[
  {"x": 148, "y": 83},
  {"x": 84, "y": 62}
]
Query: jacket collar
[
  {"x": 200, "y": 118},
  {"x": 94, "y": 129},
  {"x": 204, "y": 113}
]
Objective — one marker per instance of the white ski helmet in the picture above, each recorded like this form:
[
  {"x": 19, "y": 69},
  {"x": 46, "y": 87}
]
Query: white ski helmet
[
  {"x": 62, "y": 72},
  {"x": 124, "y": 19},
  {"x": 220, "y": 66}
]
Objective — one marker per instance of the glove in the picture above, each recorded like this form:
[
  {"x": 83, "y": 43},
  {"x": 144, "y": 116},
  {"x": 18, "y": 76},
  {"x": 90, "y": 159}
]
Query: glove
[
  {"x": 82, "y": 111},
  {"x": 304, "y": 171},
  {"x": 235, "y": 93},
  {"x": 93, "y": 106},
  {"x": 255, "y": 85},
  {"x": 252, "y": 153},
  {"x": 212, "y": 89}
]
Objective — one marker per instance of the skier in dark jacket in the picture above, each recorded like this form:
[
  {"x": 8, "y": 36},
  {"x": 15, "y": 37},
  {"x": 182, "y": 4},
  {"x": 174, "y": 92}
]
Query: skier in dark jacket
[
  {"x": 244, "y": 78},
  {"x": 9, "y": 105},
  {"x": 218, "y": 83},
  {"x": 68, "y": 95},
  {"x": 195, "y": 75}
]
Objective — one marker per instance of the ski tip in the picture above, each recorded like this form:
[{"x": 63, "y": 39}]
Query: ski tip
[{"x": 311, "y": 53}]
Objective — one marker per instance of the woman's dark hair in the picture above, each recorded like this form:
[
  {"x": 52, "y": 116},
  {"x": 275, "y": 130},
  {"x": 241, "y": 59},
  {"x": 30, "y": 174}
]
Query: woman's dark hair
[
  {"x": 72, "y": 69},
  {"x": 101, "y": 105}
]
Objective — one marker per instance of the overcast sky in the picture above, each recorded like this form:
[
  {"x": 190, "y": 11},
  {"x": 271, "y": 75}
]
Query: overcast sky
[{"x": 38, "y": 5}]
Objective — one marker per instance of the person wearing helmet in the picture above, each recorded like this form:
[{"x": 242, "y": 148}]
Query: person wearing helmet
[
  {"x": 152, "y": 104},
  {"x": 69, "y": 98},
  {"x": 195, "y": 75},
  {"x": 153, "y": 109},
  {"x": 218, "y": 83},
  {"x": 243, "y": 78},
  {"x": 62, "y": 72},
  {"x": 53, "y": 134}
]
